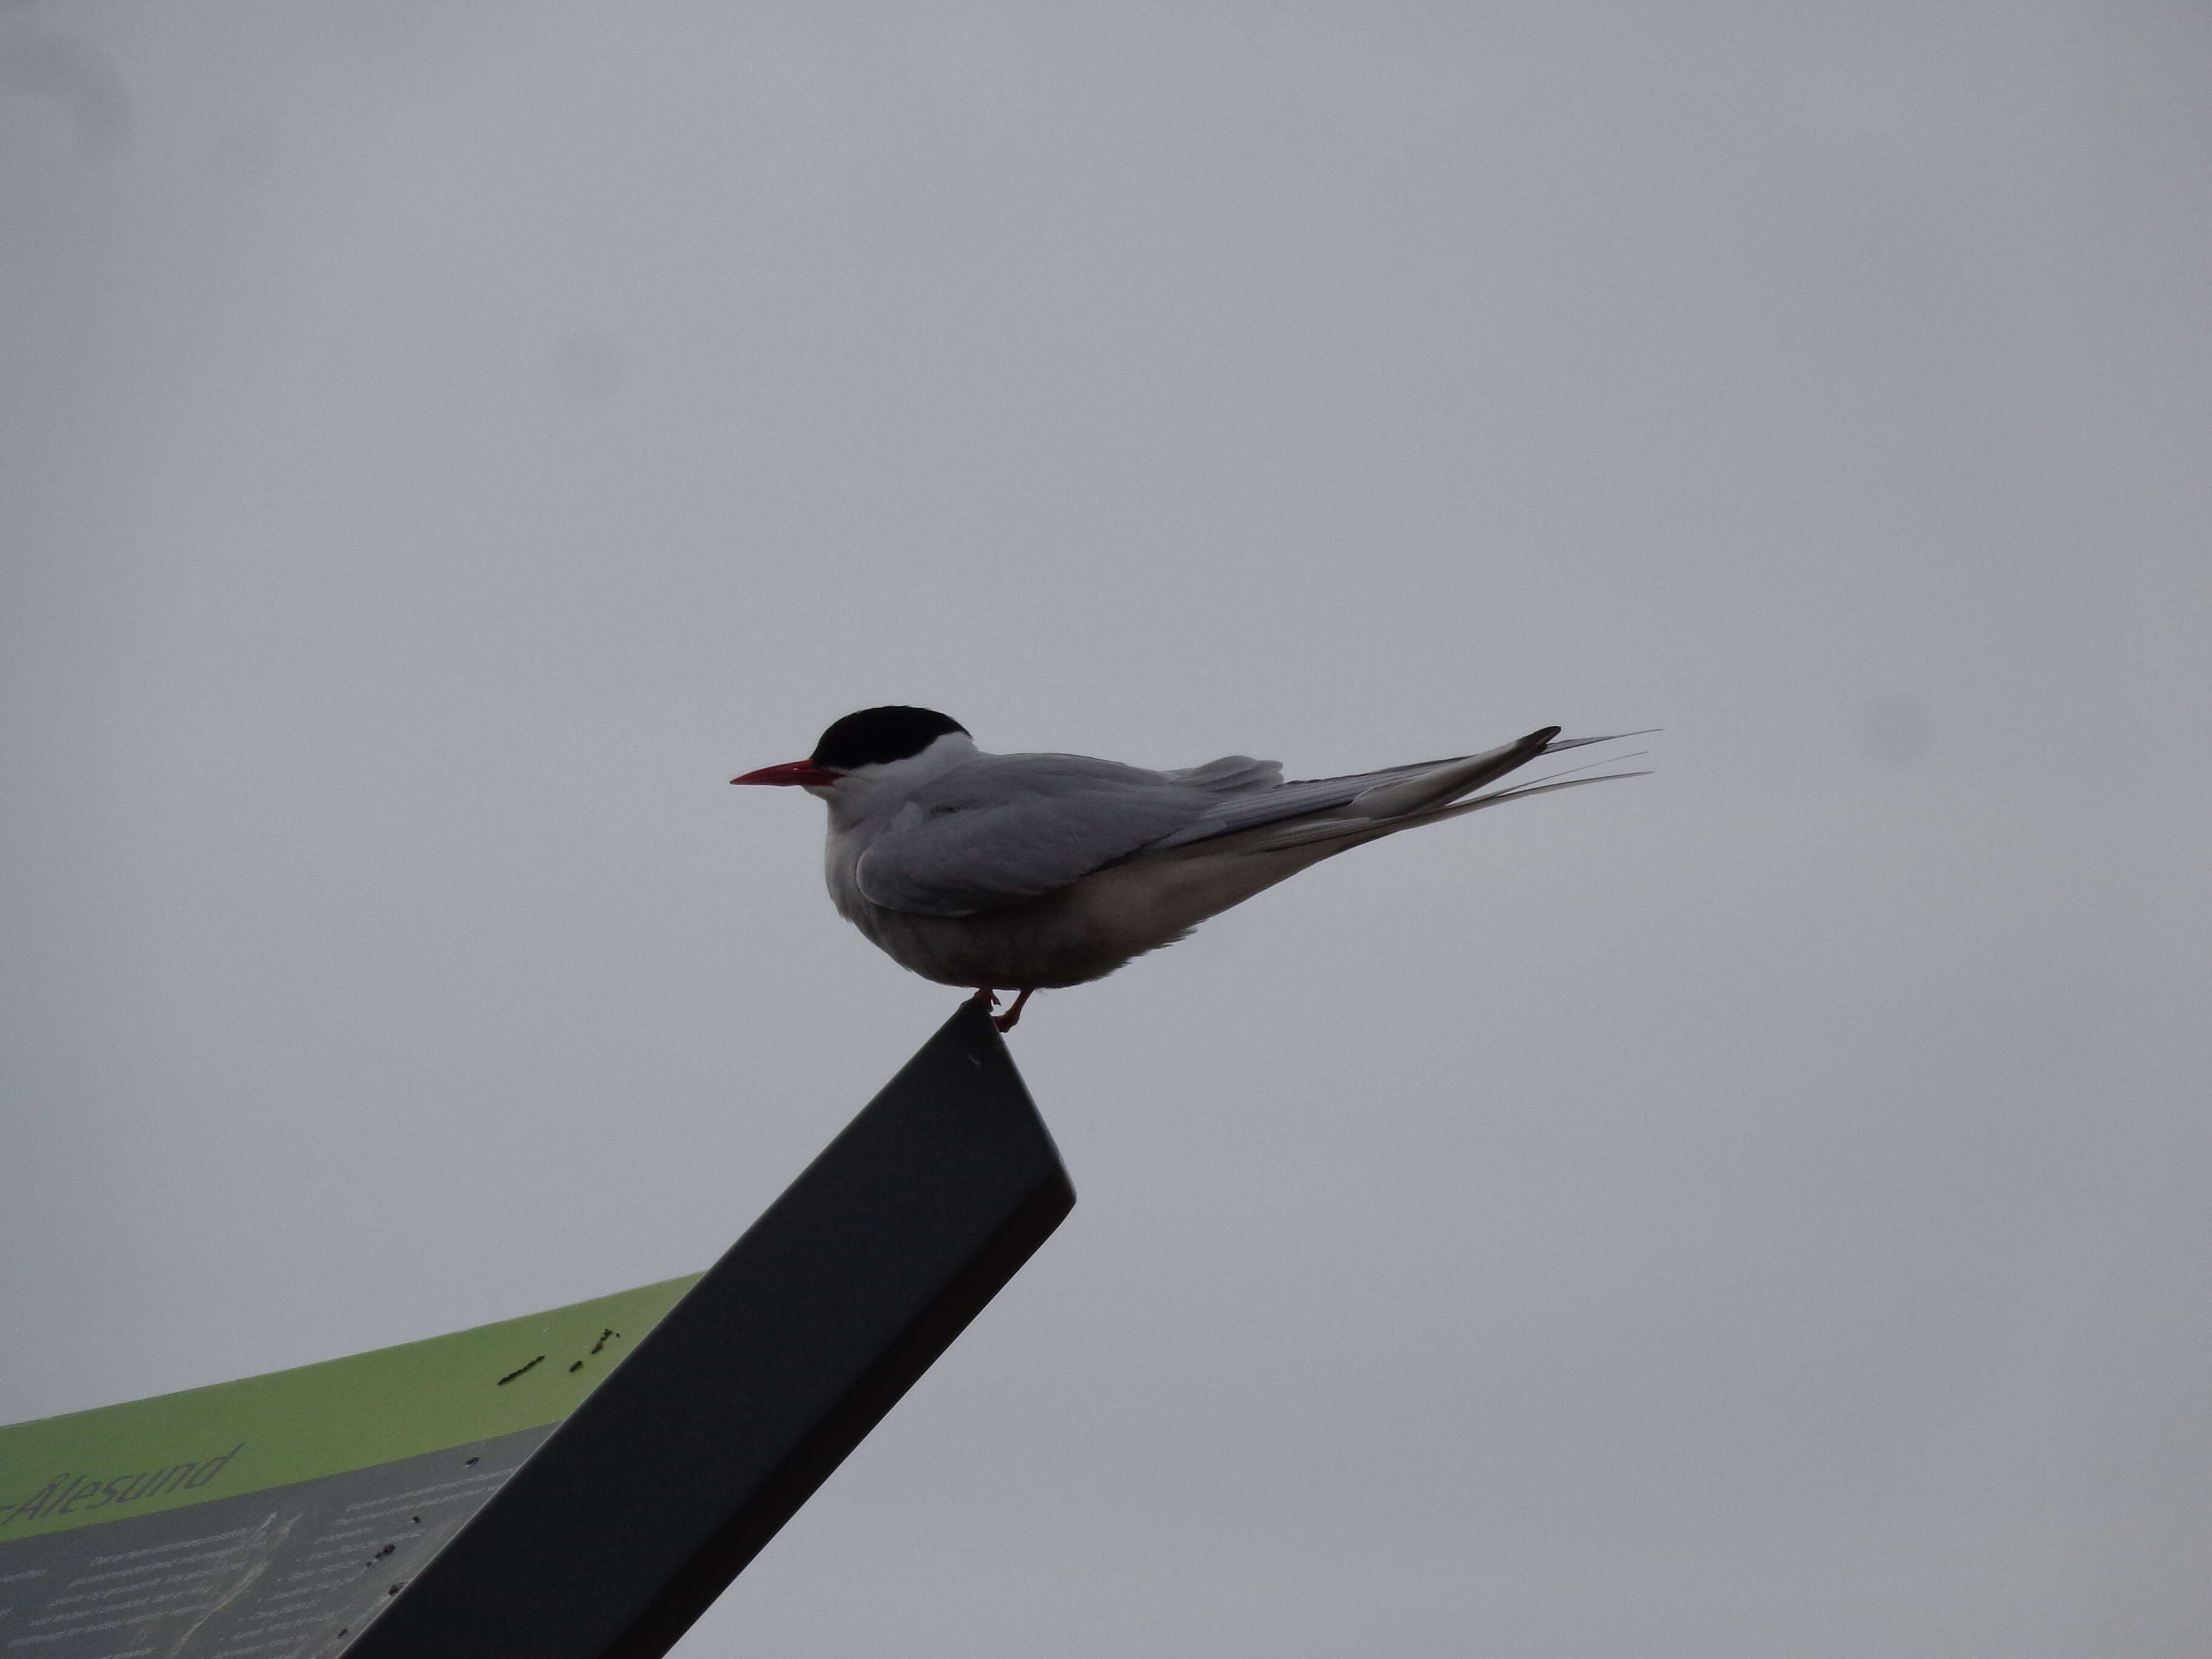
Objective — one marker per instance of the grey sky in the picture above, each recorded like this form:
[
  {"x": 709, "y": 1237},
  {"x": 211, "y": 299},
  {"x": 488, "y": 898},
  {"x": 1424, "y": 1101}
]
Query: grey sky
[{"x": 1760, "y": 1209}]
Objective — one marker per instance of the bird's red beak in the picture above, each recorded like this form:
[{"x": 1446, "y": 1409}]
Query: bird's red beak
[{"x": 790, "y": 772}]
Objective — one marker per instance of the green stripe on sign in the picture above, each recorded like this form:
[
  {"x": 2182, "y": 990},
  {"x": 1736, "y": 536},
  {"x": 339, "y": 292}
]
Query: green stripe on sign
[{"x": 264, "y": 1432}]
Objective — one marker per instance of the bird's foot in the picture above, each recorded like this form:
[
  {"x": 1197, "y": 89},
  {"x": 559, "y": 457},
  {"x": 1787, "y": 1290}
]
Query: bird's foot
[
  {"x": 1005, "y": 1022},
  {"x": 985, "y": 998}
]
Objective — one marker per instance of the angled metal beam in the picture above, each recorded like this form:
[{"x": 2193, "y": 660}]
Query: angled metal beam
[{"x": 672, "y": 1474}]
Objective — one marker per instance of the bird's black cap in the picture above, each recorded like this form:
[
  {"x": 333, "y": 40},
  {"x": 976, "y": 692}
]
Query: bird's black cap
[{"x": 876, "y": 735}]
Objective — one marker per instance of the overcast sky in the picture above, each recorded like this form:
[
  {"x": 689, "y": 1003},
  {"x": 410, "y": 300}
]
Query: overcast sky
[{"x": 1762, "y": 1209}]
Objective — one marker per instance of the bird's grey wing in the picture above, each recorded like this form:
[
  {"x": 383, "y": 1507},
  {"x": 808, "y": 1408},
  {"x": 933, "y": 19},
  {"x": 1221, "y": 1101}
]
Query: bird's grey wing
[
  {"x": 1006, "y": 828},
  {"x": 1389, "y": 793},
  {"x": 1232, "y": 774},
  {"x": 1286, "y": 801}
]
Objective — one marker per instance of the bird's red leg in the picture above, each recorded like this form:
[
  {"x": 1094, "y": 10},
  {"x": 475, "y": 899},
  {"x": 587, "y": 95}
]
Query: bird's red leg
[
  {"x": 985, "y": 997},
  {"x": 1005, "y": 1022}
]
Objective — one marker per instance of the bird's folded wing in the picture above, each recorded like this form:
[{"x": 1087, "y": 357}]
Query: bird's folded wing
[
  {"x": 1389, "y": 793},
  {"x": 1232, "y": 774},
  {"x": 1010, "y": 827}
]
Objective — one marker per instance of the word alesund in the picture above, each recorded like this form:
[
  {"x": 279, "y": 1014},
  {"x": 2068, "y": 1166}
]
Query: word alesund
[{"x": 66, "y": 1493}]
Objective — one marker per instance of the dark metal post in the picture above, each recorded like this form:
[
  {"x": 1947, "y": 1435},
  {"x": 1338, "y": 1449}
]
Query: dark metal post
[{"x": 672, "y": 1474}]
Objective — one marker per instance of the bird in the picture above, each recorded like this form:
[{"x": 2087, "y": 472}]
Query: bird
[{"x": 1018, "y": 873}]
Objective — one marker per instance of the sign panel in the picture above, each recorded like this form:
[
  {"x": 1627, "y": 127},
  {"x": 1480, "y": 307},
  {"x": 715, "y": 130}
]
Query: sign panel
[{"x": 233, "y": 1519}]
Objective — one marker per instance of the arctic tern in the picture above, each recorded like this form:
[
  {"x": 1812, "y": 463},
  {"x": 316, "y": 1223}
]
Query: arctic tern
[{"x": 1027, "y": 872}]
